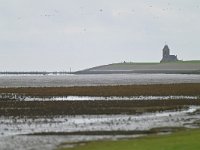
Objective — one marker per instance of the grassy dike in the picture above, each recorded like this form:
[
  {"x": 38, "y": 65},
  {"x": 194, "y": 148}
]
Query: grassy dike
[
  {"x": 180, "y": 67},
  {"x": 183, "y": 140}
]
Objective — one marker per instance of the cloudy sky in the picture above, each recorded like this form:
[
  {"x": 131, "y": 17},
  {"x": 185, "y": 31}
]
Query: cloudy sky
[{"x": 55, "y": 35}]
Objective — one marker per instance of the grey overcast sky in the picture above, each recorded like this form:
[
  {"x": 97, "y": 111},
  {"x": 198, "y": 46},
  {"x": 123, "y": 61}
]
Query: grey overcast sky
[{"x": 54, "y": 35}]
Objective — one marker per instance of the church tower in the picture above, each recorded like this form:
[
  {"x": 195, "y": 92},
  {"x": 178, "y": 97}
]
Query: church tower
[
  {"x": 166, "y": 51},
  {"x": 166, "y": 55}
]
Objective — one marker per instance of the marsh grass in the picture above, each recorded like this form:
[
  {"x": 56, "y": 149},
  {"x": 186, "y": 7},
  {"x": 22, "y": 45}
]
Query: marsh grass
[
  {"x": 190, "y": 89},
  {"x": 184, "y": 140},
  {"x": 45, "y": 108}
]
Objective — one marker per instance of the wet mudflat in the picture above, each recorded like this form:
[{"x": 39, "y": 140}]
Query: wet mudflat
[
  {"x": 95, "y": 107},
  {"x": 45, "y": 117},
  {"x": 47, "y": 132},
  {"x": 47, "y": 124}
]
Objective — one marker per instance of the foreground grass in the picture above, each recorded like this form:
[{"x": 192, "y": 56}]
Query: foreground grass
[{"x": 185, "y": 140}]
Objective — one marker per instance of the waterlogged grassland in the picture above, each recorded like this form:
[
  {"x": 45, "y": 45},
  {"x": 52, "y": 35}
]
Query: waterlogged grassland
[
  {"x": 184, "y": 140},
  {"x": 39, "y": 108}
]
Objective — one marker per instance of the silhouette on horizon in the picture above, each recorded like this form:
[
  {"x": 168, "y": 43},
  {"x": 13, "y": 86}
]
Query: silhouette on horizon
[{"x": 167, "y": 57}]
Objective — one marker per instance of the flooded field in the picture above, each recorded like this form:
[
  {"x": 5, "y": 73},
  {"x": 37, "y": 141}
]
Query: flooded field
[
  {"x": 47, "y": 132},
  {"x": 43, "y": 112},
  {"x": 94, "y": 80}
]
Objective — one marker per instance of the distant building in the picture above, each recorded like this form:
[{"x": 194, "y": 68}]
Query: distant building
[{"x": 166, "y": 55}]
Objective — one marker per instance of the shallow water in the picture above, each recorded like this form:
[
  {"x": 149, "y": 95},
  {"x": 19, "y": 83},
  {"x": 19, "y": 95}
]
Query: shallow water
[
  {"x": 18, "y": 97},
  {"x": 94, "y": 80},
  {"x": 110, "y": 98},
  {"x": 12, "y": 127},
  {"x": 13, "y": 130}
]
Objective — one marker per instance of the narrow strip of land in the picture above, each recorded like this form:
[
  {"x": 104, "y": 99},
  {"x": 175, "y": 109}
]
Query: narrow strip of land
[
  {"x": 190, "y": 89},
  {"x": 45, "y": 108}
]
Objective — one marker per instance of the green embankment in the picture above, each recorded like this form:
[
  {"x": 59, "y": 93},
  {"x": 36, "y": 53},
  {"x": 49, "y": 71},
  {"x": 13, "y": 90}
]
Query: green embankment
[
  {"x": 184, "y": 140},
  {"x": 156, "y": 63},
  {"x": 179, "y": 67},
  {"x": 189, "y": 61}
]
